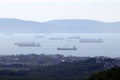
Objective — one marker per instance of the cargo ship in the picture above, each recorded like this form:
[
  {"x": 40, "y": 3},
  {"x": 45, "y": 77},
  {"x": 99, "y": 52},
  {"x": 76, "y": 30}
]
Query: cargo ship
[
  {"x": 28, "y": 44},
  {"x": 56, "y": 38},
  {"x": 8, "y": 34},
  {"x": 90, "y": 40},
  {"x": 39, "y": 36},
  {"x": 67, "y": 48},
  {"x": 74, "y": 37}
]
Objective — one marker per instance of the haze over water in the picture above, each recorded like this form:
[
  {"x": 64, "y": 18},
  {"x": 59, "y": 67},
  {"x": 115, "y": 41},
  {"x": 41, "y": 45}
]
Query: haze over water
[{"x": 110, "y": 46}]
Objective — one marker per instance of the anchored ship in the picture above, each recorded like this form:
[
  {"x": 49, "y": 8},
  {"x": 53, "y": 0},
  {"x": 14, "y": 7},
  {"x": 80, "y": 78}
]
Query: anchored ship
[
  {"x": 56, "y": 38},
  {"x": 67, "y": 48},
  {"x": 28, "y": 44},
  {"x": 39, "y": 36},
  {"x": 99, "y": 40},
  {"x": 8, "y": 34},
  {"x": 74, "y": 37}
]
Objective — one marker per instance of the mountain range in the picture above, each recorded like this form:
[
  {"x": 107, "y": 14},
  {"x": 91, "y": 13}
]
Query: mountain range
[{"x": 9, "y": 25}]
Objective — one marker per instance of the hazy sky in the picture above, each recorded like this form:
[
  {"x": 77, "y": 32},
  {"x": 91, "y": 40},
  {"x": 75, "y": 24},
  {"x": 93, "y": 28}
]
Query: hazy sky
[{"x": 44, "y": 10}]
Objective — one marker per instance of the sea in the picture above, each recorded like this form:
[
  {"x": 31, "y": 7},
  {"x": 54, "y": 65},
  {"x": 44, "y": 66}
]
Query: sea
[{"x": 109, "y": 47}]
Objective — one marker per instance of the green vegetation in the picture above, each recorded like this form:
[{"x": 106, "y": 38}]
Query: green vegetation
[
  {"x": 77, "y": 70},
  {"x": 52, "y": 67},
  {"x": 112, "y": 74}
]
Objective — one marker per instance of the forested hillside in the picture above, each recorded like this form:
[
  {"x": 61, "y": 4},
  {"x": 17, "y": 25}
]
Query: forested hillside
[
  {"x": 65, "y": 68},
  {"x": 112, "y": 74}
]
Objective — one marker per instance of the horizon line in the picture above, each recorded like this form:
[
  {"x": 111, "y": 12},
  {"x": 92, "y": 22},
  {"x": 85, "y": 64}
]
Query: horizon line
[{"x": 63, "y": 19}]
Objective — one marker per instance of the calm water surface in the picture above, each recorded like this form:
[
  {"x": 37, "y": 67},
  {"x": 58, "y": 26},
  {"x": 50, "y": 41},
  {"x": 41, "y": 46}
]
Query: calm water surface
[{"x": 49, "y": 43}]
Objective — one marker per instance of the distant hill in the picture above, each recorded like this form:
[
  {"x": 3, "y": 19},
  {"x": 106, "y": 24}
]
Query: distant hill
[
  {"x": 111, "y": 74},
  {"x": 58, "y": 26}
]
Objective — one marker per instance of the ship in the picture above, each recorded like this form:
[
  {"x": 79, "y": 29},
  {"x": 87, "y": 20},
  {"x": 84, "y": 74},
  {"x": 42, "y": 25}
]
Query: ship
[
  {"x": 67, "y": 48},
  {"x": 90, "y": 40},
  {"x": 28, "y": 44},
  {"x": 39, "y": 36},
  {"x": 74, "y": 37},
  {"x": 8, "y": 34},
  {"x": 56, "y": 38}
]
